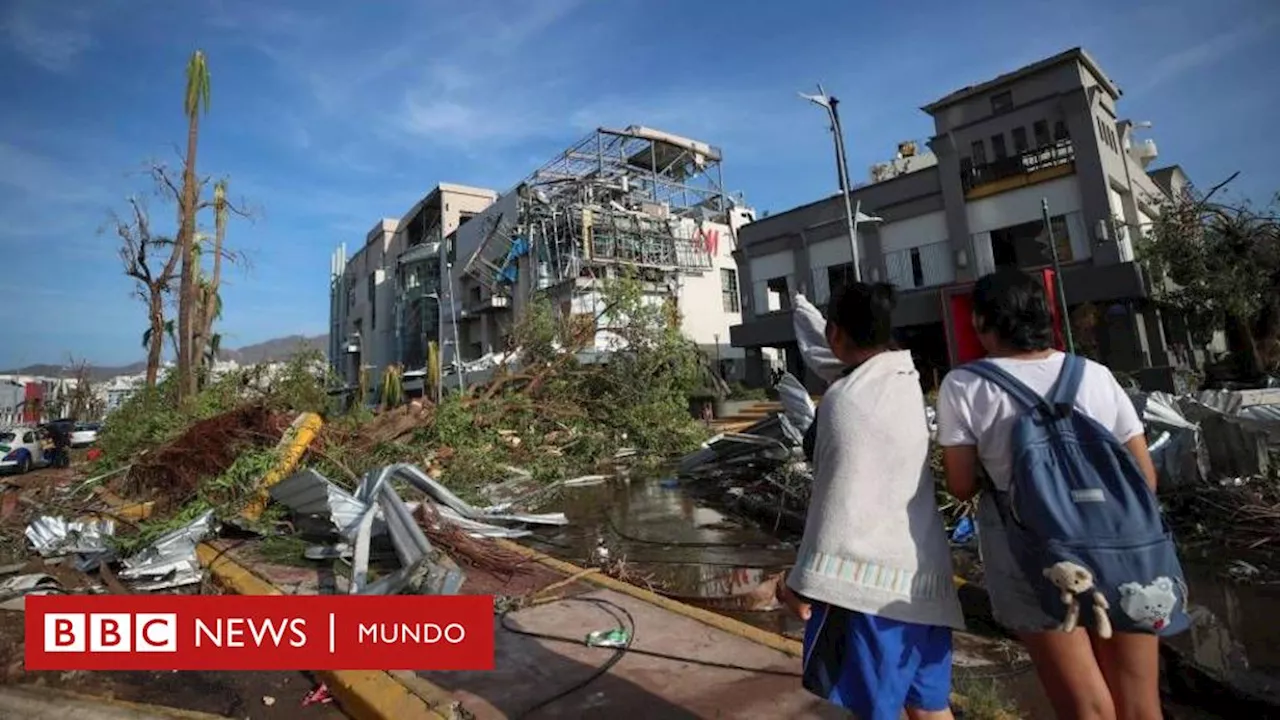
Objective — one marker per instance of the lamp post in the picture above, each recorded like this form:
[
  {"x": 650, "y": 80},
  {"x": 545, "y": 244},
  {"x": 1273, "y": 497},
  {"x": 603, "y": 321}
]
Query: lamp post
[
  {"x": 842, "y": 168},
  {"x": 1057, "y": 276}
]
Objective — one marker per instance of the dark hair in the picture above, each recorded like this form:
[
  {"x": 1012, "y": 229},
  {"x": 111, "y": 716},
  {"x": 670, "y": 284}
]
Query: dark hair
[
  {"x": 1012, "y": 305},
  {"x": 865, "y": 313}
]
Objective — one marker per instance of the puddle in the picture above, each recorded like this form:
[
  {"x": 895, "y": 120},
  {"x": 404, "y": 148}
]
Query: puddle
[
  {"x": 693, "y": 552},
  {"x": 1234, "y": 634},
  {"x": 711, "y": 559}
]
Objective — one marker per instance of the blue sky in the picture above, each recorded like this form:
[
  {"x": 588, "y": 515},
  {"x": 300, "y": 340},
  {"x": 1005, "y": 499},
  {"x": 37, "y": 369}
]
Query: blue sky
[{"x": 329, "y": 115}]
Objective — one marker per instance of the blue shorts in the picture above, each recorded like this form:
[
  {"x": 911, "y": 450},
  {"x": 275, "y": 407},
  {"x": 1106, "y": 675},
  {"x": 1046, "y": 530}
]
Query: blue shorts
[{"x": 875, "y": 667}]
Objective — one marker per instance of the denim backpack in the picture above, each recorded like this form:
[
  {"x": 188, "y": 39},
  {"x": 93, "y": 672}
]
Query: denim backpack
[{"x": 1082, "y": 524}]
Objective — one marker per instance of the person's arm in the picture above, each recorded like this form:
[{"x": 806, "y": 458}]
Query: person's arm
[
  {"x": 959, "y": 444},
  {"x": 1137, "y": 445},
  {"x": 960, "y": 462},
  {"x": 1128, "y": 428}
]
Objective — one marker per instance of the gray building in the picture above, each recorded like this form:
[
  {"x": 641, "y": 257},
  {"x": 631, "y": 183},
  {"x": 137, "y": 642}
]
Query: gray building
[{"x": 941, "y": 219}]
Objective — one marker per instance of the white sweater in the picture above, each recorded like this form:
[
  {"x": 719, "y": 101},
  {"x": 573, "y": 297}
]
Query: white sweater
[{"x": 873, "y": 539}]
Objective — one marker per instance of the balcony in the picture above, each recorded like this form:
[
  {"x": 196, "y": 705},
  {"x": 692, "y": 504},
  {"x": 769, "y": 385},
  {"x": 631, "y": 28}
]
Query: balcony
[{"x": 1033, "y": 166}]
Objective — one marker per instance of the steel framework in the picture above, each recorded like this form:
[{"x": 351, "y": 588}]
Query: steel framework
[{"x": 632, "y": 198}]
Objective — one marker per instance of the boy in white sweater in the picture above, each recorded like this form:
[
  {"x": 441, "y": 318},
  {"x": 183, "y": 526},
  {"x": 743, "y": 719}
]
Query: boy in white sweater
[{"x": 873, "y": 577}]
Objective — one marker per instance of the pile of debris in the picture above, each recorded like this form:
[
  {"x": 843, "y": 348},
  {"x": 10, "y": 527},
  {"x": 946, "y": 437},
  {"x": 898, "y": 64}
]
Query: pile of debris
[
  {"x": 1217, "y": 453},
  {"x": 1218, "y": 456},
  {"x": 391, "y": 545}
]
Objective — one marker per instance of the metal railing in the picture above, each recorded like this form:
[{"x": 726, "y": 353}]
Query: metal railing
[{"x": 1054, "y": 154}]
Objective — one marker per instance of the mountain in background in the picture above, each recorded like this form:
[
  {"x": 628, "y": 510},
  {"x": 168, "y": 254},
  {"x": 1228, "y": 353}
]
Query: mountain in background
[{"x": 274, "y": 350}]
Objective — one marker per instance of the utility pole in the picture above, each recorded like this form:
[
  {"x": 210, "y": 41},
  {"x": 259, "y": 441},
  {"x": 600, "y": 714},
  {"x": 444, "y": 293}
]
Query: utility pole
[
  {"x": 1057, "y": 276},
  {"x": 842, "y": 168}
]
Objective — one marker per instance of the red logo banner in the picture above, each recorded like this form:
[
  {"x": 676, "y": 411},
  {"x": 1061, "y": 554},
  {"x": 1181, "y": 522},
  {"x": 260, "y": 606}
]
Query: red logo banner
[{"x": 278, "y": 632}]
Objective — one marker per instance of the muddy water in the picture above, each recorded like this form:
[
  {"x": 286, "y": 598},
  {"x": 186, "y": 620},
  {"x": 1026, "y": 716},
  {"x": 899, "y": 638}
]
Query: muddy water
[
  {"x": 1235, "y": 633},
  {"x": 723, "y": 563},
  {"x": 690, "y": 551}
]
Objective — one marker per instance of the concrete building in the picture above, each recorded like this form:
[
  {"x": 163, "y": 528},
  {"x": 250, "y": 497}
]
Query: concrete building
[
  {"x": 383, "y": 306},
  {"x": 637, "y": 201},
  {"x": 1051, "y": 131}
]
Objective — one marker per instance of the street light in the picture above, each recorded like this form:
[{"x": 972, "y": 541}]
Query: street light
[{"x": 831, "y": 105}]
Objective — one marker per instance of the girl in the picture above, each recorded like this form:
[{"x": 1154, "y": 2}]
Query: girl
[{"x": 1084, "y": 676}]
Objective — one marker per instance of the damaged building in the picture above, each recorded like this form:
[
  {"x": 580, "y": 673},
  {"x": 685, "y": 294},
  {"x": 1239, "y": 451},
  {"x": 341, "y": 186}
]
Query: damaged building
[{"x": 463, "y": 264}]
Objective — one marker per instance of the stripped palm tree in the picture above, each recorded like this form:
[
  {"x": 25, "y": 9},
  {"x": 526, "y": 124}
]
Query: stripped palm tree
[
  {"x": 195, "y": 101},
  {"x": 210, "y": 307}
]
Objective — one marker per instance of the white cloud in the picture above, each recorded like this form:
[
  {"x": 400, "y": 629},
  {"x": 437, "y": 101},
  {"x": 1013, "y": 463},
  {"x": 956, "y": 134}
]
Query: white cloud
[
  {"x": 51, "y": 35},
  {"x": 1205, "y": 53}
]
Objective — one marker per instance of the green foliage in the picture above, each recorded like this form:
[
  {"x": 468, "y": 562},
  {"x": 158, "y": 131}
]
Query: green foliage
[
  {"x": 153, "y": 417},
  {"x": 1222, "y": 260},
  {"x": 739, "y": 391}
]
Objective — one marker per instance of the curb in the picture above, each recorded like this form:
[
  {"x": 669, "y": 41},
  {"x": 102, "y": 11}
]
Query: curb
[
  {"x": 24, "y": 699},
  {"x": 362, "y": 694},
  {"x": 778, "y": 642},
  {"x": 720, "y": 622}
]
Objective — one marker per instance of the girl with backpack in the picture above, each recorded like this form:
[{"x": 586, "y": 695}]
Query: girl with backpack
[
  {"x": 873, "y": 576},
  {"x": 1077, "y": 559}
]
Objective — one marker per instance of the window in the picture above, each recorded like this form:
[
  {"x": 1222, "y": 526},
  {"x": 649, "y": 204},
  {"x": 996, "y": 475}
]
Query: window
[
  {"x": 997, "y": 147},
  {"x": 463, "y": 217},
  {"x": 778, "y": 296},
  {"x": 979, "y": 153},
  {"x": 838, "y": 277},
  {"x": 1001, "y": 102},
  {"x": 729, "y": 298},
  {"x": 1026, "y": 245},
  {"x": 1019, "y": 140},
  {"x": 917, "y": 268},
  {"x": 1060, "y": 131},
  {"x": 373, "y": 301},
  {"x": 1041, "y": 130}
]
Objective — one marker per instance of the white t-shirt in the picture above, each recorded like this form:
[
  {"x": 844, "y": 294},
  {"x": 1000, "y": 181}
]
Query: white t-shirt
[{"x": 974, "y": 411}]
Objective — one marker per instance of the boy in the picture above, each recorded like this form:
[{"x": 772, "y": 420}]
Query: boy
[{"x": 873, "y": 578}]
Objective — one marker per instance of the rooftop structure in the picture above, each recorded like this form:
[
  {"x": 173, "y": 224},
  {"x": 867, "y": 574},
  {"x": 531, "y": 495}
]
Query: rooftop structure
[{"x": 632, "y": 197}]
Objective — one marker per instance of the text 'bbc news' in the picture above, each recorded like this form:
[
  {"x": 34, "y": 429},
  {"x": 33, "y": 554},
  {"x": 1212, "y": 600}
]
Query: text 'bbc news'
[{"x": 259, "y": 633}]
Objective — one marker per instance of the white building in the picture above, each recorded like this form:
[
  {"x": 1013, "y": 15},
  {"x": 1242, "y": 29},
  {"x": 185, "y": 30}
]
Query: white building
[{"x": 636, "y": 201}]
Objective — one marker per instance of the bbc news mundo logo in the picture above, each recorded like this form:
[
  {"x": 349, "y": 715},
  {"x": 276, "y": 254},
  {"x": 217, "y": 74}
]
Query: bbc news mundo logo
[
  {"x": 110, "y": 632},
  {"x": 227, "y": 632}
]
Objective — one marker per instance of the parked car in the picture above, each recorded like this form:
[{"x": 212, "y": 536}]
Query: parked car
[
  {"x": 85, "y": 434},
  {"x": 21, "y": 449}
]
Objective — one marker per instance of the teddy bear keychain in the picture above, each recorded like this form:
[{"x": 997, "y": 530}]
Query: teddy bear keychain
[{"x": 1074, "y": 580}]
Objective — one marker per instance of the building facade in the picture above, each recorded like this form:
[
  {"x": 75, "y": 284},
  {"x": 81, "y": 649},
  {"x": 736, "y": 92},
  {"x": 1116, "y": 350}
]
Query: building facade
[
  {"x": 383, "y": 299},
  {"x": 1048, "y": 133},
  {"x": 636, "y": 202}
]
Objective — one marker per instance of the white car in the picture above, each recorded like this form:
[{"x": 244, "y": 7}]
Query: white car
[
  {"x": 21, "y": 449},
  {"x": 85, "y": 434}
]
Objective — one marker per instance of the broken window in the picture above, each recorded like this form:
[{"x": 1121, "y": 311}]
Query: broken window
[
  {"x": 778, "y": 294},
  {"x": 1026, "y": 245}
]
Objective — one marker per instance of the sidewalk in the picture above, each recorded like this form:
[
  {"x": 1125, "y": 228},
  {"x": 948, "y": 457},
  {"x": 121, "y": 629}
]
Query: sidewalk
[{"x": 532, "y": 670}]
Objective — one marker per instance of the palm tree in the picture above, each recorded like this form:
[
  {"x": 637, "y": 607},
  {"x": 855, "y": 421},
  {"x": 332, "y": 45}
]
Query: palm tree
[
  {"x": 210, "y": 299},
  {"x": 195, "y": 101}
]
